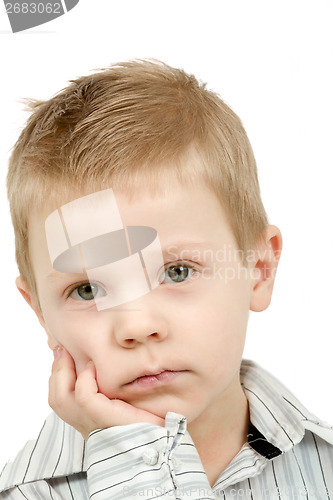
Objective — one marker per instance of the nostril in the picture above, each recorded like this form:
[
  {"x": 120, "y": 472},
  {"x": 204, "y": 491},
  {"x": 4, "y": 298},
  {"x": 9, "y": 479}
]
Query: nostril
[
  {"x": 129, "y": 342},
  {"x": 139, "y": 338}
]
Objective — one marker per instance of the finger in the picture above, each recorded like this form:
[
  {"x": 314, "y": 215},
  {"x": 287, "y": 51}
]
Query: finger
[
  {"x": 62, "y": 358},
  {"x": 62, "y": 385},
  {"x": 104, "y": 412},
  {"x": 86, "y": 385},
  {"x": 63, "y": 369},
  {"x": 127, "y": 414},
  {"x": 112, "y": 412}
]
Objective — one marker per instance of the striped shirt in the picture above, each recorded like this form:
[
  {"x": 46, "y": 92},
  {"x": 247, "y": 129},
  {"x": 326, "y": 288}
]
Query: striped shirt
[{"x": 289, "y": 455}]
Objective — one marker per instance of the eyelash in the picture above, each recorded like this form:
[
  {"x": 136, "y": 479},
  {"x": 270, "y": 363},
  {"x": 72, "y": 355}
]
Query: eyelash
[
  {"x": 76, "y": 286},
  {"x": 188, "y": 265},
  {"x": 167, "y": 266}
]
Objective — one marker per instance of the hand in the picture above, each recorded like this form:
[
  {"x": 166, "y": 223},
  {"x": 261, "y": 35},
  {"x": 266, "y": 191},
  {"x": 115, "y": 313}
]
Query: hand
[{"x": 76, "y": 400}]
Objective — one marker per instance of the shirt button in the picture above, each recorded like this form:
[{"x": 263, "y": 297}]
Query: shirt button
[{"x": 150, "y": 456}]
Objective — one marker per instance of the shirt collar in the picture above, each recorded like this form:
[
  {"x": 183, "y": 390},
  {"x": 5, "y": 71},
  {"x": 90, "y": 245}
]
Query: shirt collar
[
  {"x": 275, "y": 412},
  {"x": 278, "y": 422}
]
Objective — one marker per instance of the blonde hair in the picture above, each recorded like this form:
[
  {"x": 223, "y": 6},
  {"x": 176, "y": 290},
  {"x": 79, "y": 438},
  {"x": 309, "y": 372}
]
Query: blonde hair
[{"x": 134, "y": 120}]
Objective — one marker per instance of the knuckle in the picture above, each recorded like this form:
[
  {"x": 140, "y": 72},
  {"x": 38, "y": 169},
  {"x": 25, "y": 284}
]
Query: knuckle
[
  {"x": 57, "y": 400},
  {"x": 81, "y": 399}
]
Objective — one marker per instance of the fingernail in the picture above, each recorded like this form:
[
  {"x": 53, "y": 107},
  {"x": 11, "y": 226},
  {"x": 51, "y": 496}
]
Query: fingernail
[{"x": 57, "y": 351}]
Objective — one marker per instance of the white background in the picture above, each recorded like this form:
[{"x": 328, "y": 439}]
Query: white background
[{"x": 272, "y": 62}]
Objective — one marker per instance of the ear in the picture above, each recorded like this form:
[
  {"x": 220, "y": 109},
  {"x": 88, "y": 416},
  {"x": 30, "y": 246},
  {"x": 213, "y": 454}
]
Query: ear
[
  {"x": 26, "y": 292},
  {"x": 265, "y": 267}
]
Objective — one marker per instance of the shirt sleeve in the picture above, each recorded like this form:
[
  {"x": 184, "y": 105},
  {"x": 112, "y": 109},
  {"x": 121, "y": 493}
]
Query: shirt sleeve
[{"x": 145, "y": 461}]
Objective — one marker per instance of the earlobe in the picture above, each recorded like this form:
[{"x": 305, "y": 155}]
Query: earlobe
[{"x": 264, "y": 270}]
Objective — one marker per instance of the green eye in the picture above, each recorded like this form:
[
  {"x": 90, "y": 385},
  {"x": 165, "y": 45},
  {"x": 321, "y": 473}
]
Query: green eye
[
  {"x": 87, "y": 291},
  {"x": 177, "y": 273}
]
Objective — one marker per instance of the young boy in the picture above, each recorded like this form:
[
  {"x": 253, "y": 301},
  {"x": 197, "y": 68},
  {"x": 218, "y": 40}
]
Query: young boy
[{"x": 142, "y": 244}]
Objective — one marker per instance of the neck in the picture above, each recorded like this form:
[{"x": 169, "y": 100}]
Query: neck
[{"x": 221, "y": 431}]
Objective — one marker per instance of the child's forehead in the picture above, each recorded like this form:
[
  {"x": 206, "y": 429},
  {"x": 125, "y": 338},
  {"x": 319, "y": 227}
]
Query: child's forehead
[
  {"x": 132, "y": 182},
  {"x": 108, "y": 210},
  {"x": 92, "y": 204},
  {"x": 88, "y": 225},
  {"x": 170, "y": 213}
]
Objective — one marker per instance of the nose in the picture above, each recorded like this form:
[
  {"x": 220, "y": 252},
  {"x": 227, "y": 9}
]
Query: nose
[{"x": 137, "y": 325}]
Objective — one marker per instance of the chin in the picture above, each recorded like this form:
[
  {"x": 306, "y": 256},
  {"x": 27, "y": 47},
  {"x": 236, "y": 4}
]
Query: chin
[{"x": 161, "y": 408}]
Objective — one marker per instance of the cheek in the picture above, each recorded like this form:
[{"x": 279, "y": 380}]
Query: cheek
[
  {"x": 220, "y": 325},
  {"x": 74, "y": 331}
]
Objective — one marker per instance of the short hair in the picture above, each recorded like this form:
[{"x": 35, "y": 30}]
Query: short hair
[{"x": 131, "y": 121}]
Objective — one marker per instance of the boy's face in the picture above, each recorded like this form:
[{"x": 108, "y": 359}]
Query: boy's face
[{"x": 190, "y": 329}]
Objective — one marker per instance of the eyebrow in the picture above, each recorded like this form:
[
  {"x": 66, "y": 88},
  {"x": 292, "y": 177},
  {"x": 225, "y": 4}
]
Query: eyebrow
[
  {"x": 174, "y": 246},
  {"x": 185, "y": 245},
  {"x": 57, "y": 275},
  {"x": 188, "y": 243}
]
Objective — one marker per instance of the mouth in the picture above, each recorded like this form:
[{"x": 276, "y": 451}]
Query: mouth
[{"x": 148, "y": 380}]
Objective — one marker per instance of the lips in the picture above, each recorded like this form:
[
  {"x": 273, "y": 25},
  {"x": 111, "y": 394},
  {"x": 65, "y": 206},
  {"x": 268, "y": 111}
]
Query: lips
[{"x": 154, "y": 378}]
